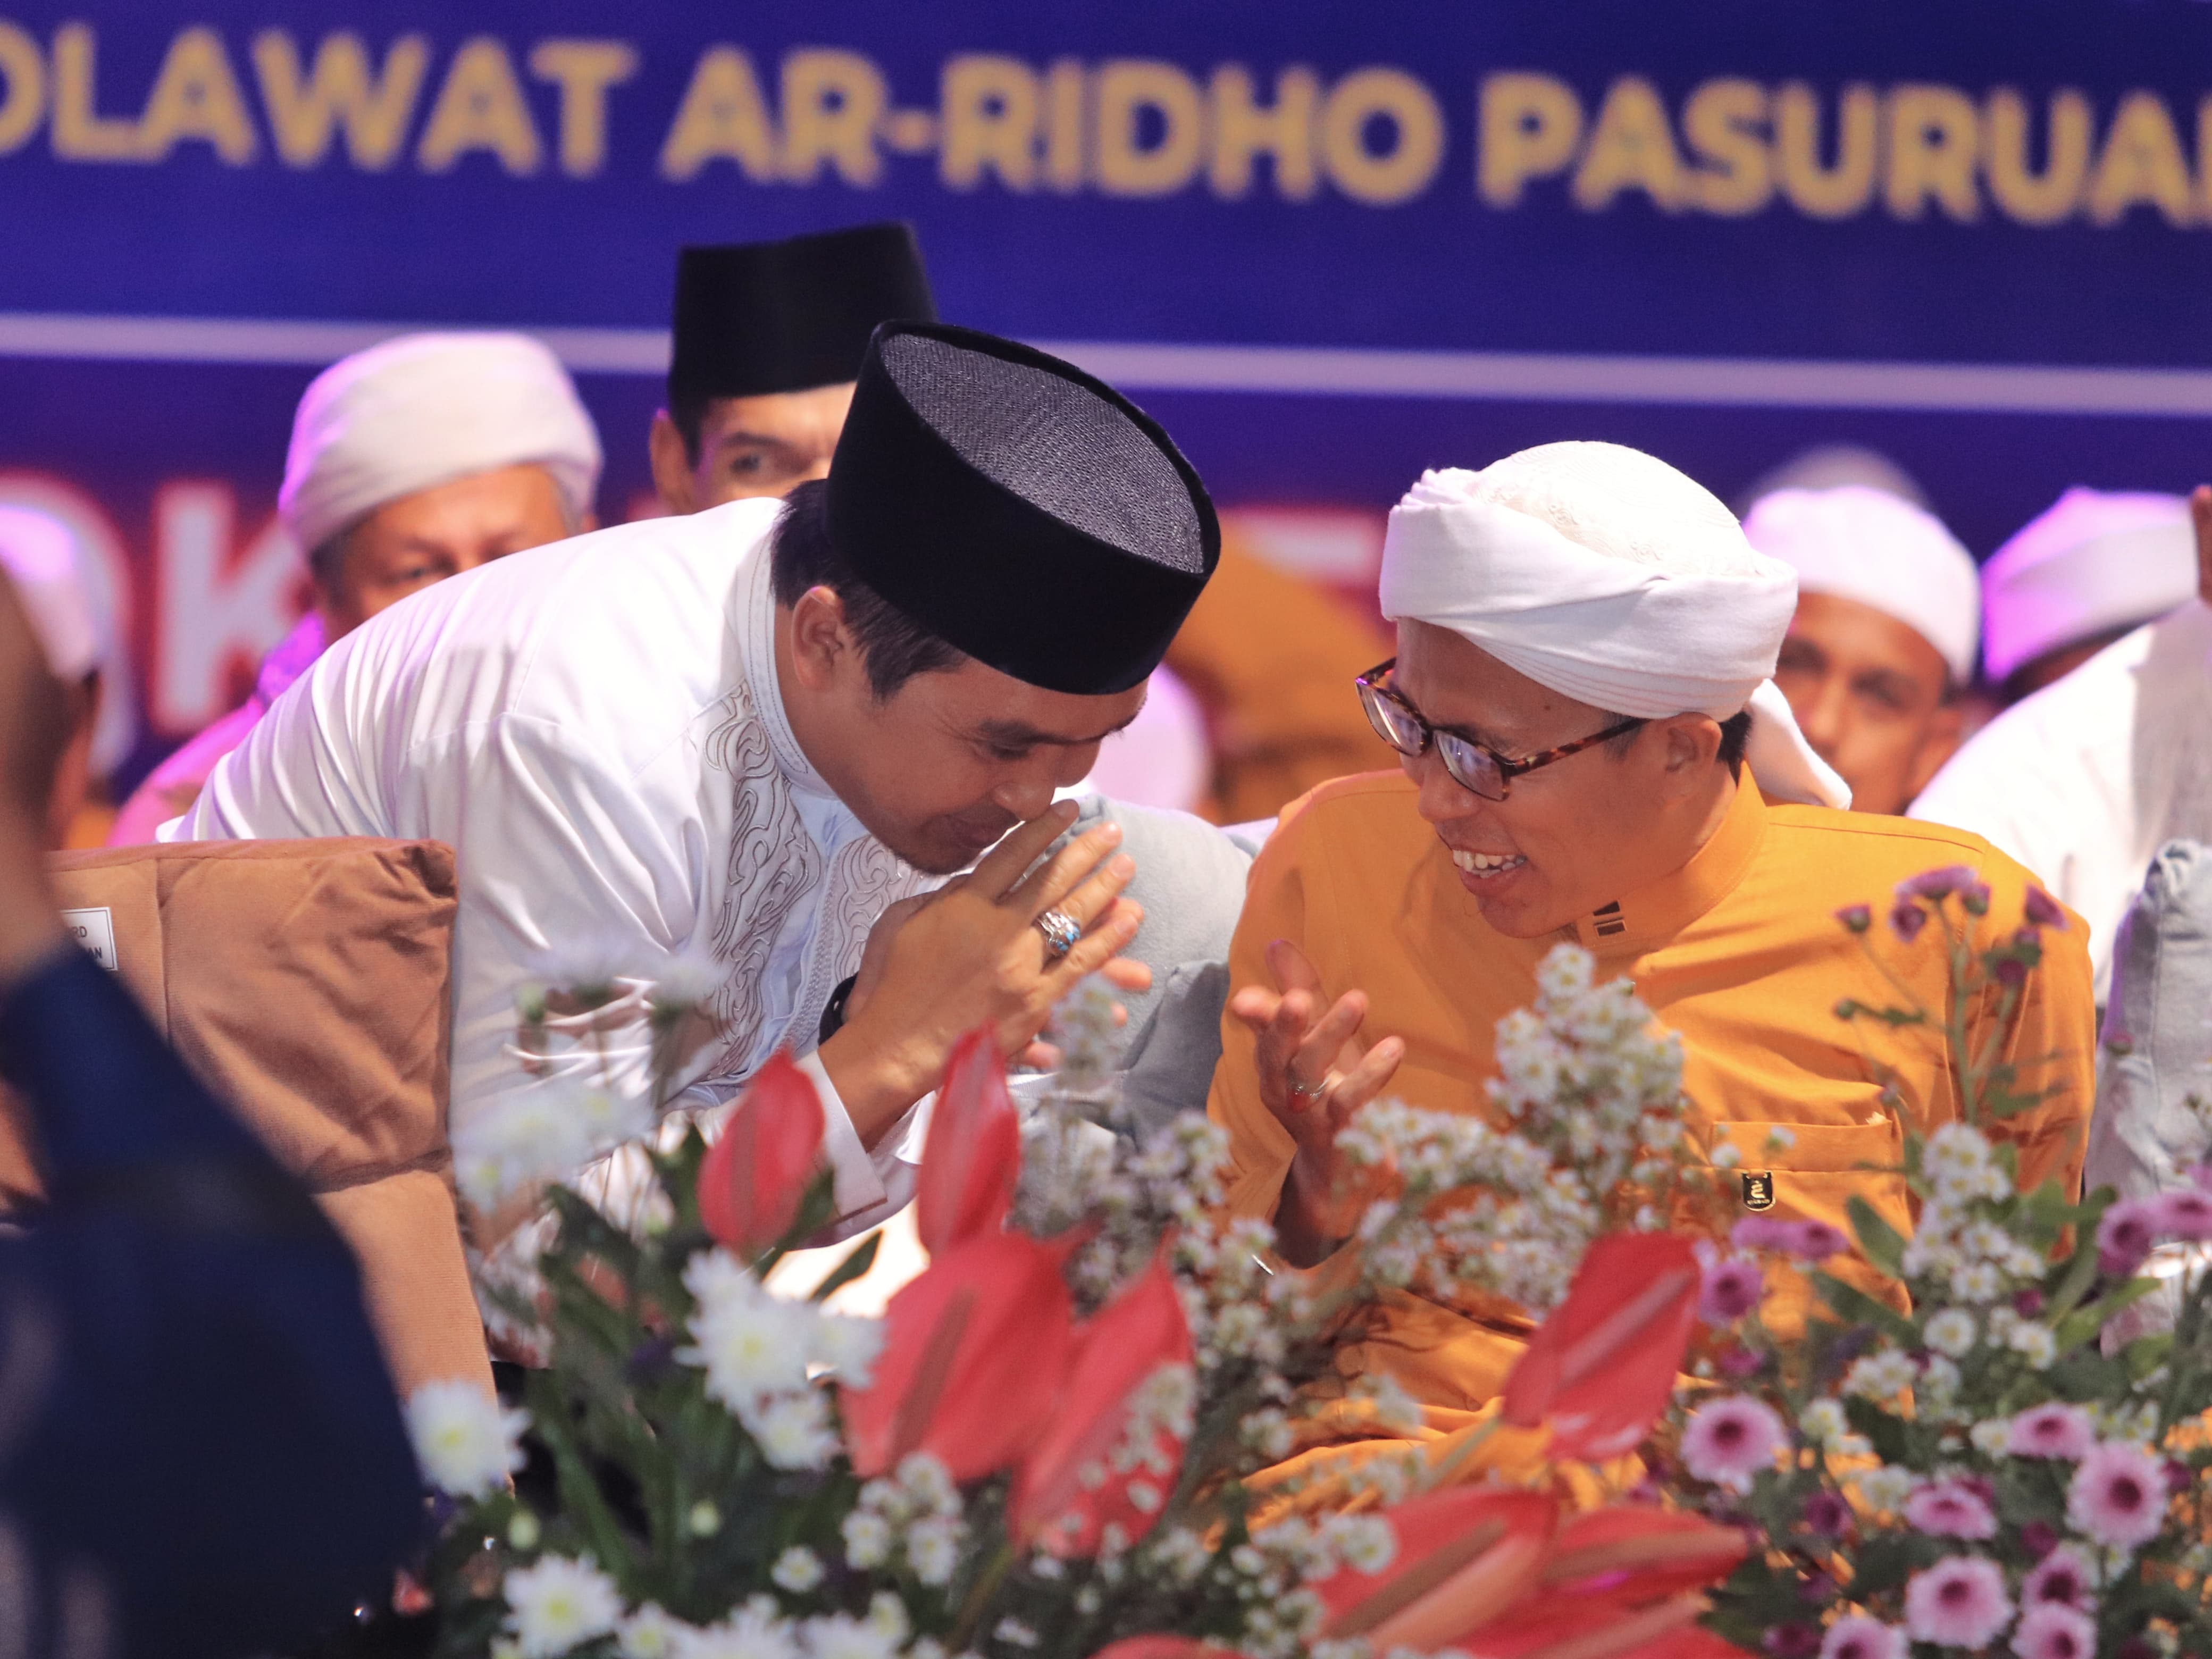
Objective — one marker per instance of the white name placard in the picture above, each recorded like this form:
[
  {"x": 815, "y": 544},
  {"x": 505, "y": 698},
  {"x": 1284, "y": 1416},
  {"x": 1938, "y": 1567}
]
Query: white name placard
[{"x": 95, "y": 929}]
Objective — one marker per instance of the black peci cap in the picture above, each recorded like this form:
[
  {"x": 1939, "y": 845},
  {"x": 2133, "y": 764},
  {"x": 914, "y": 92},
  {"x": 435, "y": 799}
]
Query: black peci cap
[
  {"x": 755, "y": 318},
  {"x": 1018, "y": 509}
]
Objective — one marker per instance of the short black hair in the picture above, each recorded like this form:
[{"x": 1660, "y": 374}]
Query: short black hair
[
  {"x": 1735, "y": 733},
  {"x": 894, "y": 648},
  {"x": 688, "y": 412}
]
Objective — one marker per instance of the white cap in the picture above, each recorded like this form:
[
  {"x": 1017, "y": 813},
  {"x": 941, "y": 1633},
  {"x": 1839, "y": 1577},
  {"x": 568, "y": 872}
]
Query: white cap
[
  {"x": 2095, "y": 561},
  {"x": 422, "y": 410},
  {"x": 1866, "y": 544},
  {"x": 39, "y": 557},
  {"x": 1612, "y": 578}
]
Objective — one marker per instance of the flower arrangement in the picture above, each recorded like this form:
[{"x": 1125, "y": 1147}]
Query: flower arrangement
[
  {"x": 1988, "y": 1457},
  {"x": 1042, "y": 1446}
]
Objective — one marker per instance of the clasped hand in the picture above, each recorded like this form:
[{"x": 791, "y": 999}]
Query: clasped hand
[{"x": 940, "y": 964}]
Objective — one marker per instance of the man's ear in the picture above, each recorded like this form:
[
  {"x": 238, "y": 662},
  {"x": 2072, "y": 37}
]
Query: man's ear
[
  {"x": 1692, "y": 744},
  {"x": 821, "y": 644},
  {"x": 672, "y": 468}
]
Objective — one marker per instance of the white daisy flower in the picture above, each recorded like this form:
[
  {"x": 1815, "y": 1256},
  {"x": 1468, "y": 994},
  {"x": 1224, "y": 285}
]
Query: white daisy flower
[
  {"x": 465, "y": 1442},
  {"x": 556, "y": 1603}
]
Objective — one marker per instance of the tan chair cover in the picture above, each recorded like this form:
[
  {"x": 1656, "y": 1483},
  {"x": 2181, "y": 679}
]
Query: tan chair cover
[{"x": 306, "y": 983}]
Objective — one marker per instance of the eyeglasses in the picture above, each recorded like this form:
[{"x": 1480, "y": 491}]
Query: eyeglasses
[{"x": 1473, "y": 766}]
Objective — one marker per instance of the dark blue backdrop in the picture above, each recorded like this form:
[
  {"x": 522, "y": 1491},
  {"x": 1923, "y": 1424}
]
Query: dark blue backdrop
[{"x": 149, "y": 172}]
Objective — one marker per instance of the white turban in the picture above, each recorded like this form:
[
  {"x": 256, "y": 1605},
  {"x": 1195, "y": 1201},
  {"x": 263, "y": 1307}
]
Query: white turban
[
  {"x": 1867, "y": 545},
  {"x": 2095, "y": 560},
  {"x": 422, "y": 410},
  {"x": 40, "y": 557},
  {"x": 1649, "y": 603}
]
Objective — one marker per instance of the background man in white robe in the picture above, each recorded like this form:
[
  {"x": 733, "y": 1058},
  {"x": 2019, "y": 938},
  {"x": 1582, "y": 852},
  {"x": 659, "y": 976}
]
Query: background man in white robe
[
  {"x": 1883, "y": 639},
  {"x": 410, "y": 461},
  {"x": 744, "y": 734},
  {"x": 2086, "y": 779},
  {"x": 2093, "y": 565}
]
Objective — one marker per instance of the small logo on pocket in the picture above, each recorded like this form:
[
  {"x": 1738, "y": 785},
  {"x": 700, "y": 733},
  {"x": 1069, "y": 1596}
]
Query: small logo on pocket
[{"x": 1759, "y": 1189}]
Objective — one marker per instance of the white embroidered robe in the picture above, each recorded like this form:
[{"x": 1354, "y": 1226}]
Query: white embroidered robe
[{"x": 595, "y": 728}]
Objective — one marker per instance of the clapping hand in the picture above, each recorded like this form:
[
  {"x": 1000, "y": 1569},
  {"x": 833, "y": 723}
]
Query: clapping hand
[{"x": 1315, "y": 1074}]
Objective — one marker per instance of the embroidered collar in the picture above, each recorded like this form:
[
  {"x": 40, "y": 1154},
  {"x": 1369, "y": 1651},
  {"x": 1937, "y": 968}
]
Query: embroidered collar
[
  {"x": 756, "y": 601},
  {"x": 1650, "y": 916}
]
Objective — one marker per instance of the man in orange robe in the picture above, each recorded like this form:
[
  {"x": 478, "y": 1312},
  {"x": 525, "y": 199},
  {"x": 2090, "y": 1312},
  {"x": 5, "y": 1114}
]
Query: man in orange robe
[{"x": 1609, "y": 765}]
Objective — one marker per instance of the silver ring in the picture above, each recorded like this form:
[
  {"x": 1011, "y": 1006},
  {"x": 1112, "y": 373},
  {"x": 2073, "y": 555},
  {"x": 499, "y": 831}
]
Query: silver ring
[
  {"x": 1060, "y": 932},
  {"x": 1304, "y": 1091}
]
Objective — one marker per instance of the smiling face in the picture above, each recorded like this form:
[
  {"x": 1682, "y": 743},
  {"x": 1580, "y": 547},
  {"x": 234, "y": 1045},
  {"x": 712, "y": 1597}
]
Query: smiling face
[
  {"x": 749, "y": 447},
  {"x": 952, "y": 759},
  {"x": 1570, "y": 837},
  {"x": 1870, "y": 695},
  {"x": 434, "y": 533}
]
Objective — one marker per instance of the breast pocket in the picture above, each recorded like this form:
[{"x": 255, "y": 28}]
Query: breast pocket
[{"x": 1814, "y": 1179}]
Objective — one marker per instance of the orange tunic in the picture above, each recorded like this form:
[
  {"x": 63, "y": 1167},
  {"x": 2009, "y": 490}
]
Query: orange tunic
[{"x": 1738, "y": 952}]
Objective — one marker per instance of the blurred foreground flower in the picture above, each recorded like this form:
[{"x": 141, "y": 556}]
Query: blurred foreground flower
[
  {"x": 1113, "y": 1453},
  {"x": 757, "y": 1173},
  {"x": 466, "y": 1444},
  {"x": 1602, "y": 1367},
  {"x": 972, "y": 1154},
  {"x": 975, "y": 1353}
]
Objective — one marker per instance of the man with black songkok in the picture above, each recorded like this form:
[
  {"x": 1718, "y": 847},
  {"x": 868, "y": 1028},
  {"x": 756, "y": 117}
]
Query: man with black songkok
[
  {"x": 767, "y": 340},
  {"x": 745, "y": 733}
]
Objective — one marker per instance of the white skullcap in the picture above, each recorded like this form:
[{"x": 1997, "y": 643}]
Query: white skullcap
[
  {"x": 2095, "y": 561},
  {"x": 1607, "y": 575},
  {"x": 40, "y": 558},
  {"x": 1867, "y": 545},
  {"x": 422, "y": 410}
]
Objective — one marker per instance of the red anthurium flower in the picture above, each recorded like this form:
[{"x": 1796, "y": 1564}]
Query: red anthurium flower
[
  {"x": 975, "y": 1358},
  {"x": 973, "y": 1153},
  {"x": 1558, "y": 1628},
  {"x": 755, "y": 1175},
  {"x": 1465, "y": 1555},
  {"x": 1602, "y": 1367},
  {"x": 1635, "y": 1553},
  {"x": 1687, "y": 1642},
  {"x": 1058, "y": 1505}
]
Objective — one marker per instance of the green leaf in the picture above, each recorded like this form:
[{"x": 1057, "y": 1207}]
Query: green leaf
[
  {"x": 1878, "y": 1242},
  {"x": 1884, "y": 1563},
  {"x": 2081, "y": 1274},
  {"x": 2145, "y": 1355},
  {"x": 1855, "y": 1305},
  {"x": 857, "y": 1262},
  {"x": 2081, "y": 1376},
  {"x": 581, "y": 1497},
  {"x": 2080, "y": 1327},
  {"x": 1887, "y": 1433}
]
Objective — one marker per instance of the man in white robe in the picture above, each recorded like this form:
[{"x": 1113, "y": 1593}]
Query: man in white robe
[
  {"x": 741, "y": 735},
  {"x": 2086, "y": 779},
  {"x": 2093, "y": 566},
  {"x": 1882, "y": 640},
  {"x": 410, "y": 461}
]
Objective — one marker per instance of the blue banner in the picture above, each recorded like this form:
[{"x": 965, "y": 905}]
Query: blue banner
[{"x": 1328, "y": 244}]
